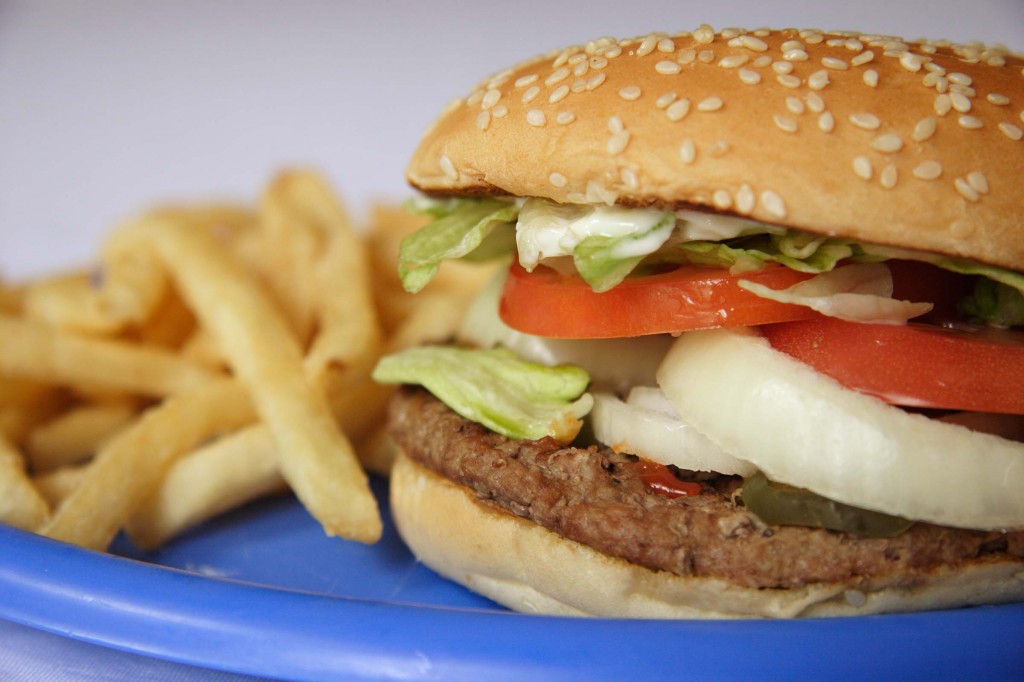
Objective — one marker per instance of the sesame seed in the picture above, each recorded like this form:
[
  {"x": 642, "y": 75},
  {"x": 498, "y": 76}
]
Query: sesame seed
[
  {"x": 818, "y": 80},
  {"x": 560, "y": 93},
  {"x": 965, "y": 190},
  {"x": 889, "y": 142},
  {"x": 924, "y": 129},
  {"x": 1011, "y": 131},
  {"x": 630, "y": 93},
  {"x": 865, "y": 121},
  {"x": 960, "y": 102},
  {"x": 667, "y": 68},
  {"x": 814, "y": 102},
  {"x": 666, "y": 45},
  {"x": 978, "y": 181},
  {"x": 598, "y": 62},
  {"x": 704, "y": 34},
  {"x": 959, "y": 78},
  {"x": 564, "y": 118},
  {"x": 997, "y": 99},
  {"x": 483, "y": 120},
  {"x": 745, "y": 199},
  {"x": 785, "y": 123},
  {"x": 795, "y": 56},
  {"x": 629, "y": 178},
  {"x": 615, "y": 125},
  {"x": 733, "y": 61},
  {"x": 812, "y": 37},
  {"x": 665, "y": 100},
  {"x": 970, "y": 122},
  {"x": 721, "y": 199},
  {"x": 491, "y": 98},
  {"x": 647, "y": 46},
  {"x": 961, "y": 229},
  {"x": 910, "y": 62},
  {"x": 500, "y": 111},
  {"x": 782, "y": 67},
  {"x": 928, "y": 170},
  {"x": 871, "y": 78},
  {"x": 710, "y": 104},
  {"x": 687, "y": 56},
  {"x": 678, "y": 109},
  {"x": 706, "y": 56},
  {"x": 579, "y": 85},
  {"x": 523, "y": 81},
  {"x": 862, "y": 167},
  {"x": 752, "y": 43},
  {"x": 788, "y": 80},
  {"x": 719, "y": 148},
  {"x": 475, "y": 98},
  {"x": 594, "y": 81},
  {"x": 834, "y": 63},
  {"x": 448, "y": 168},
  {"x": 557, "y": 77},
  {"x": 750, "y": 77},
  {"x": 941, "y": 84},
  {"x": 558, "y": 180},
  {"x": 795, "y": 105},
  {"x": 853, "y": 45},
  {"x": 536, "y": 117},
  {"x": 617, "y": 142},
  {"x": 943, "y": 104},
  {"x": 826, "y": 122},
  {"x": 688, "y": 151},
  {"x": 530, "y": 94},
  {"x": 773, "y": 203},
  {"x": 889, "y": 177},
  {"x": 580, "y": 70},
  {"x": 763, "y": 61},
  {"x": 792, "y": 45}
]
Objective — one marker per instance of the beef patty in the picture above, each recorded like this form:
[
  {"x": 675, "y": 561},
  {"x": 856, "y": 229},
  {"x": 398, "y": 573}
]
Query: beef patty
[{"x": 596, "y": 497}]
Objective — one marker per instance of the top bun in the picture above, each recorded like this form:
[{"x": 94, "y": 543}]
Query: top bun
[{"x": 914, "y": 144}]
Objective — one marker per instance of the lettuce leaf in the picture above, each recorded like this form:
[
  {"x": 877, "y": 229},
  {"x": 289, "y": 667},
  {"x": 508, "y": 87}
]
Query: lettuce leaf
[
  {"x": 994, "y": 304},
  {"x": 460, "y": 227},
  {"x": 496, "y": 388},
  {"x": 603, "y": 262},
  {"x": 796, "y": 250}
]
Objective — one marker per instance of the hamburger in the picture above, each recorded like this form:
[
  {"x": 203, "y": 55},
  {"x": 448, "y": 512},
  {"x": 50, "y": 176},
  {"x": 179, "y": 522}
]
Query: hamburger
[{"x": 757, "y": 351}]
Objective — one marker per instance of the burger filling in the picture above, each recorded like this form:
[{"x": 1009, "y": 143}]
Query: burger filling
[{"x": 831, "y": 382}]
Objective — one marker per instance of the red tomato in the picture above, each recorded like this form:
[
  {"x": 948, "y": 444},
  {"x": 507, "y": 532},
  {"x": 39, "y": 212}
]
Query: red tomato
[
  {"x": 547, "y": 303},
  {"x": 916, "y": 365}
]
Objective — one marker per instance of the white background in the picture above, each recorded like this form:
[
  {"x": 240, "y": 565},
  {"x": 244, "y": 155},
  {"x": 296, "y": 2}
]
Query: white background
[{"x": 109, "y": 106}]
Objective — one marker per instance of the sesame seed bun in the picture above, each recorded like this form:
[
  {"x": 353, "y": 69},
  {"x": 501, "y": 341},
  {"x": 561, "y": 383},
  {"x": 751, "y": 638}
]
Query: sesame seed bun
[
  {"x": 914, "y": 144},
  {"x": 530, "y": 569}
]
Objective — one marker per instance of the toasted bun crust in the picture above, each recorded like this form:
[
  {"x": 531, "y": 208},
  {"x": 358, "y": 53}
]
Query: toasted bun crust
[
  {"x": 875, "y": 138},
  {"x": 530, "y": 569}
]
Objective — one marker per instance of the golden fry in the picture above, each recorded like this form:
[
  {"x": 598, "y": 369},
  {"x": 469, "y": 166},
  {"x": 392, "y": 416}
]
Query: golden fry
[
  {"x": 215, "y": 478},
  {"x": 76, "y": 435},
  {"x": 70, "y": 302},
  {"x": 128, "y": 469},
  {"x": 31, "y": 350},
  {"x": 315, "y": 457},
  {"x": 56, "y": 485},
  {"x": 21, "y": 505}
]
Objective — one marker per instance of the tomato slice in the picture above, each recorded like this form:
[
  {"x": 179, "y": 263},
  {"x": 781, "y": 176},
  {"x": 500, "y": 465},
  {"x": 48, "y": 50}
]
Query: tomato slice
[
  {"x": 915, "y": 365},
  {"x": 547, "y": 303}
]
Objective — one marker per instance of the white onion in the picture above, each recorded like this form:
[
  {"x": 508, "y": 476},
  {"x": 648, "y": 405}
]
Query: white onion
[
  {"x": 803, "y": 428},
  {"x": 646, "y": 424},
  {"x": 614, "y": 364}
]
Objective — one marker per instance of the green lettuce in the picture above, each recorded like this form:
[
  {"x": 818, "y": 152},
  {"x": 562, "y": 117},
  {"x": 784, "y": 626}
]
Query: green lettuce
[
  {"x": 496, "y": 388},
  {"x": 603, "y": 262},
  {"x": 994, "y": 304},
  {"x": 801, "y": 251},
  {"x": 460, "y": 227}
]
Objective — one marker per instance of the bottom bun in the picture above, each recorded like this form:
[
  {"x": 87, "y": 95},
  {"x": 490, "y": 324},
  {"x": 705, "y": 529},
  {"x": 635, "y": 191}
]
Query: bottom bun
[{"x": 528, "y": 568}]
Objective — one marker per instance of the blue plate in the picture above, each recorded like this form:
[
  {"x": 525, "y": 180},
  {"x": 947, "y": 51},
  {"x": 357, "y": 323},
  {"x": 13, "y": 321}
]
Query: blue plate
[{"x": 263, "y": 591}]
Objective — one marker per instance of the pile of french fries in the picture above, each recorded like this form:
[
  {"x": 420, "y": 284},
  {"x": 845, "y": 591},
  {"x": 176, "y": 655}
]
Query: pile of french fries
[{"x": 213, "y": 355}]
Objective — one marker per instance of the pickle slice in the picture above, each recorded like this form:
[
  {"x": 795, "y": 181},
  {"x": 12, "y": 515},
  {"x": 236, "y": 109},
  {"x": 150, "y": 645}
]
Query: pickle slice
[{"x": 788, "y": 506}]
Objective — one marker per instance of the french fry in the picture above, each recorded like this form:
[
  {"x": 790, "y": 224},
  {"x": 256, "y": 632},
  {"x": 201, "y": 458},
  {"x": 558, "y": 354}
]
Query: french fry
[
  {"x": 70, "y": 302},
  {"x": 56, "y": 485},
  {"x": 131, "y": 465},
  {"x": 315, "y": 457},
  {"x": 169, "y": 325},
  {"x": 217, "y": 477},
  {"x": 10, "y": 298},
  {"x": 34, "y": 351},
  {"x": 76, "y": 435},
  {"x": 21, "y": 505}
]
